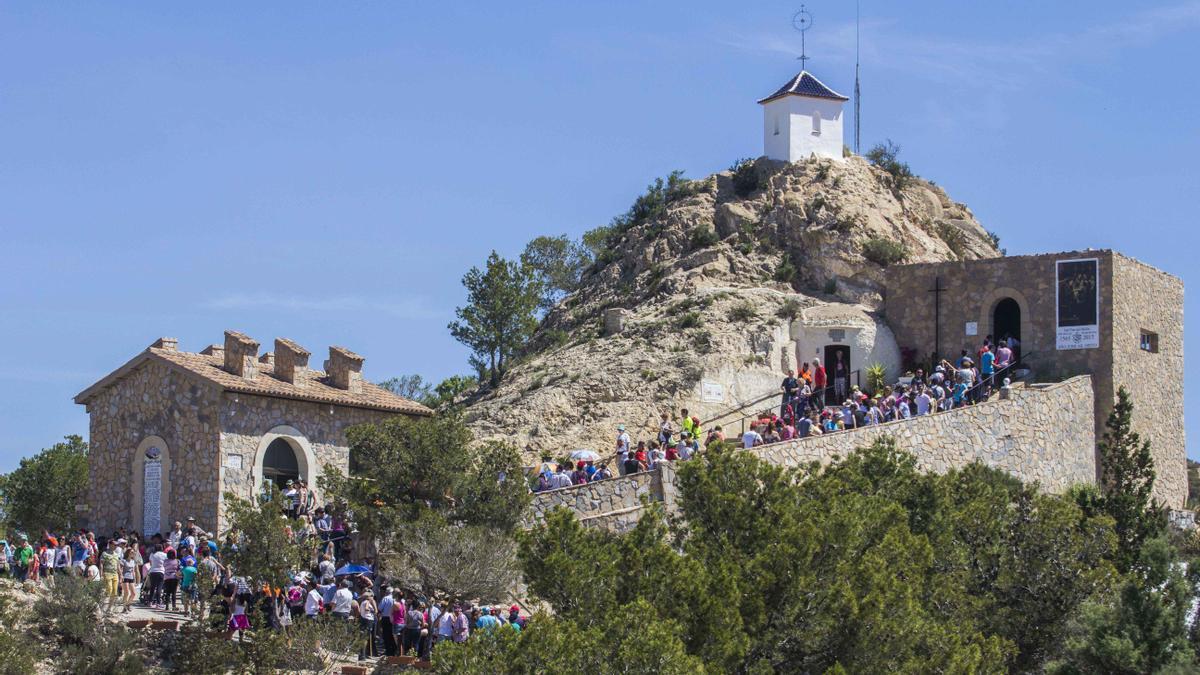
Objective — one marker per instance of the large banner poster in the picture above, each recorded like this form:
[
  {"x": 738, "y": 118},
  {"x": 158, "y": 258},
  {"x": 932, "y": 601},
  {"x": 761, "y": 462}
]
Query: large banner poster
[{"x": 1078, "y": 303}]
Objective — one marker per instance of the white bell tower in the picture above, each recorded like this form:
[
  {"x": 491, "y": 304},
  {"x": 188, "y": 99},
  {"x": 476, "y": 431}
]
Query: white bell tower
[{"x": 803, "y": 118}]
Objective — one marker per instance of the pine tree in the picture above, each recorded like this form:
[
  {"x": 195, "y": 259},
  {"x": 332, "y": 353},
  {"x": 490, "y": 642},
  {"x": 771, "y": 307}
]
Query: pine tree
[
  {"x": 499, "y": 316},
  {"x": 1127, "y": 478}
]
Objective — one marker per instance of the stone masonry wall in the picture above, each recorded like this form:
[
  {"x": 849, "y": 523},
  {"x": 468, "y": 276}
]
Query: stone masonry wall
[
  {"x": 246, "y": 418},
  {"x": 972, "y": 291},
  {"x": 613, "y": 504},
  {"x": 153, "y": 400},
  {"x": 1042, "y": 433},
  {"x": 1147, "y": 299}
]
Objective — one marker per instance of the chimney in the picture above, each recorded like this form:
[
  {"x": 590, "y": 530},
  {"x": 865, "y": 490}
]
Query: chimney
[
  {"x": 291, "y": 361},
  {"x": 267, "y": 358},
  {"x": 345, "y": 369},
  {"x": 241, "y": 355},
  {"x": 214, "y": 350},
  {"x": 166, "y": 343}
]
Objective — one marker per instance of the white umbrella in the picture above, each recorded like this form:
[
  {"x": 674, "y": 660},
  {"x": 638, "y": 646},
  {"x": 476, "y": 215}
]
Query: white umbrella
[{"x": 585, "y": 455}]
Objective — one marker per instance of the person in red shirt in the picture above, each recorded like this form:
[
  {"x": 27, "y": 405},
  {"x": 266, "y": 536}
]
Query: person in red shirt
[{"x": 819, "y": 383}]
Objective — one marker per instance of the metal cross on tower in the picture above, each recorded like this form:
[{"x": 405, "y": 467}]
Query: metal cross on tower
[{"x": 802, "y": 21}]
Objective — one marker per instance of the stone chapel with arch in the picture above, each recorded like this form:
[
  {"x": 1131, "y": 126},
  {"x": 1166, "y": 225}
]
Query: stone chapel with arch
[{"x": 172, "y": 431}]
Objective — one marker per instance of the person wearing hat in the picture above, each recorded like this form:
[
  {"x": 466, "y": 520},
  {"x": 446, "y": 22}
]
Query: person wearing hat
[
  {"x": 622, "y": 447},
  {"x": 22, "y": 558},
  {"x": 487, "y": 622},
  {"x": 444, "y": 625},
  {"x": 514, "y": 616}
]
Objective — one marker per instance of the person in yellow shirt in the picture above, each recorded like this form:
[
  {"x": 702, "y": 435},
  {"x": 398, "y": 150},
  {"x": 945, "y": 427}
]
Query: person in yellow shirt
[{"x": 690, "y": 424}]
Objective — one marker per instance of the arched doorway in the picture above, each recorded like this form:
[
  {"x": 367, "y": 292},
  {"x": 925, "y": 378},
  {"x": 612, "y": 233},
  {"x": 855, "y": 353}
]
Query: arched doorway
[
  {"x": 1006, "y": 320},
  {"x": 280, "y": 464}
]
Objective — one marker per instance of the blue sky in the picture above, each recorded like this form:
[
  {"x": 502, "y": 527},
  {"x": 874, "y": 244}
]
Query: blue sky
[{"x": 327, "y": 171}]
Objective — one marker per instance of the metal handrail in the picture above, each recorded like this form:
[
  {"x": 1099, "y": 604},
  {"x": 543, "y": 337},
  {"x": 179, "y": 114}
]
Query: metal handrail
[
  {"x": 709, "y": 422},
  {"x": 972, "y": 392},
  {"x": 826, "y": 391}
]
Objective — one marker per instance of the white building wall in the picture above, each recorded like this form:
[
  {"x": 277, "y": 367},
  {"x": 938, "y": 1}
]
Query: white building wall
[{"x": 797, "y": 138}]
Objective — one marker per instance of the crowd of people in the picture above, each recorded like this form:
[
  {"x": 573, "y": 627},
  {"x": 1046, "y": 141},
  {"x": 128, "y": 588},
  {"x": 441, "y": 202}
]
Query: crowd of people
[
  {"x": 805, "y": 409},
  {"x": 815, "y": 401},
  {"x": 188, "y": 571}
]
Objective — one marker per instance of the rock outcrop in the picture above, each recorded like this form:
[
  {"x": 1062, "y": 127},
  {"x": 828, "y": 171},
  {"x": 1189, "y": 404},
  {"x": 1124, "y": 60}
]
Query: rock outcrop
[{"x": 708, "y": 288}]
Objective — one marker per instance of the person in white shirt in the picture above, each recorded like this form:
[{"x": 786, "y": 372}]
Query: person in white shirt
[
  {"x": 158, "y": 561},
  {"x": 176, "y": 535},
  {"x": 751, "y": 438},
  {"x": 343, "y": 600},
  {"x": 923, "y": 402},
  {"x": 312, "y": 602},
  {"x": 622, "y": 447},
  {"x": 93, "y": 572}
]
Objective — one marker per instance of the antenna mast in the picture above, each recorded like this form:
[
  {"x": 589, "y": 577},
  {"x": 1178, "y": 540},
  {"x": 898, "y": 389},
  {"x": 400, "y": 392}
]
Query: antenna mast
[
  {"x": 857, "y": 91},
  {"x": 802, "y": 21}
]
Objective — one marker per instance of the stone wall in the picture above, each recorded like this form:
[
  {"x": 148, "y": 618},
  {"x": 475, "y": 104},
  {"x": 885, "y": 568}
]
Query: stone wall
[
  {"x": 316, "y": 432},
  {"x": 153, "y": 400},
  {"x": 1146, "y": 299},
  {"x": 1042, "y": 433},
  {"x": 614, "y": 504}
]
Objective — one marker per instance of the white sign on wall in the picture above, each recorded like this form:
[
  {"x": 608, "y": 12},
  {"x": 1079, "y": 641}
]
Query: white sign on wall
[
  {"x": 972, "y": 328},
  {"x": 233, "y": 461},
  {"x": 712, "y": 392},
  {"x": 1077, "y": 303},
  {"x": 151, "y": 496}
]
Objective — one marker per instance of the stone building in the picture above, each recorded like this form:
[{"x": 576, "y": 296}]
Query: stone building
[
  {"x": 1091, "y": 312},
  {"x": 171, "y": 431}
]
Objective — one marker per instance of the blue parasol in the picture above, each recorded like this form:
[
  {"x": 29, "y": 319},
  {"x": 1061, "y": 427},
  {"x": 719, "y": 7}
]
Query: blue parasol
[{"x": 352, "y": 569}]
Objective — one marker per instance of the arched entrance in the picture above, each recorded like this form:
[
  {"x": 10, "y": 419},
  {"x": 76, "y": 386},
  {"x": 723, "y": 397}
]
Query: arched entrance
[
  {"x": 1006, "y": 320},
  {"x": 280, "y": 464}
]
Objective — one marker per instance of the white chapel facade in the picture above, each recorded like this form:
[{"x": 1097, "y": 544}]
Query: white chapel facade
[{"x": 801, "y": 119}]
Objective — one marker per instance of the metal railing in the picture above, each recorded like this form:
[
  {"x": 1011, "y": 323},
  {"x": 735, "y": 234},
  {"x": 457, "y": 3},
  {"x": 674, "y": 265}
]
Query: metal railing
[
  {"x": 996, "y": 379},
  {"x": 823, "y": 395}
]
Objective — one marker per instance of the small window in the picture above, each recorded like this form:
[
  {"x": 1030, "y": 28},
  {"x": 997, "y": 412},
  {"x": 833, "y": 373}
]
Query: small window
[
  {"x": 1149, "y": 342},
  {"x": 777, "y": 125},
  {"x": 816, "y": 121}
]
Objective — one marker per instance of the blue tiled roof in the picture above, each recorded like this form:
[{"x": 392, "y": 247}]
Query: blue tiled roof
[{"x": 804, "y": 84}]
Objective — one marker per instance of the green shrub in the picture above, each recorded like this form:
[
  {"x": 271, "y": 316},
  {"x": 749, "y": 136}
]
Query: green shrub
[
  {"x": 690, "y": 320},
  {"x": 789, "y": 310},
  {"x": 702, "y": 341},
  {"x": 786, "y": 271},
  {"x": 883, "y": 251},
  {"x": 886, "y": 156},
  {"x": 953, "y": 236},
  {"x": 822, "y": 171},
  {"x": 876, "y": 378},
  {"x": 703, "y": 236},
  {"x": 743, "y": 312},
  {"x": 602, "y": 240},
  {"x": 746, "y": 179},
  {"x": 996, "y": 242}
]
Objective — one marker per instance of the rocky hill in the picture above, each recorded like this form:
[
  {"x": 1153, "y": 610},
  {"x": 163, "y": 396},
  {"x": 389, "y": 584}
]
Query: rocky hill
[{"x": 704, "y": 284}]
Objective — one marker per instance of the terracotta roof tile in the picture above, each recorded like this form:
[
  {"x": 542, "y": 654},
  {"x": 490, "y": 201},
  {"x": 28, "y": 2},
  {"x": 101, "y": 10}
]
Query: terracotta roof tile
[{"x": 314, "y": 384}]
